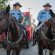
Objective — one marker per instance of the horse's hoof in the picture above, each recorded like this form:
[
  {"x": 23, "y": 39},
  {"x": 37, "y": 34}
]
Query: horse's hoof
[
  {"x": 33, "y": 44},
  {"x": 27, "y": 46}
]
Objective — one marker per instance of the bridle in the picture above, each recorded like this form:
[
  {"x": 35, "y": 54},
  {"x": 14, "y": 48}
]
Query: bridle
[{"x": 20, "y": 35}]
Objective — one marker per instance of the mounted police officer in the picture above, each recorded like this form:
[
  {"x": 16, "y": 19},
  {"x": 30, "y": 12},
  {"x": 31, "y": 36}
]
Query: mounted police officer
[
  {"x": 19, "y": 18},
  {"x": 17, "y": 13},
  {"x": 43, "y": 17},
  {"x": 45, "y": 14}
]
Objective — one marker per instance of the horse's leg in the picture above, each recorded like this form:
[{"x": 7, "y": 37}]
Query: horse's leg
[
  {"x": 40, "y": 50},
  {"x": 17, "y": 51},
  {"x": 8, "y": 50},
  {"x": 50, "y": 52}
]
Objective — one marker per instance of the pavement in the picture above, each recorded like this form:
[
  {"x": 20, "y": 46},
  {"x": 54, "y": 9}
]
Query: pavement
[{"x": 33, "y": 50}]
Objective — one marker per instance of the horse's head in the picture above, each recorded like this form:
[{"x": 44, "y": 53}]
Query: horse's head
[
  {"x": 50, "y": 31},
  {"x": 46, "y": 32},
  {"x": 51, "y": 24}
]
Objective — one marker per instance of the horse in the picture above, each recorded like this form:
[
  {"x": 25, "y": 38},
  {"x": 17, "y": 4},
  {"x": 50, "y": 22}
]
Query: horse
[
  {"x": 45, "y": 36},
  {"x": 14, "y": 32}
]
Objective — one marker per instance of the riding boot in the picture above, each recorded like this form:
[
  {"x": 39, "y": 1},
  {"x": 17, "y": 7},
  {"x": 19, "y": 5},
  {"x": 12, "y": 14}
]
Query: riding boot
[
  {"x": 26, "y": 37},
  {"x": 26, "y": 40},
  {"x": 35, "y": 35},
  {"x": 34, "y": 40}
]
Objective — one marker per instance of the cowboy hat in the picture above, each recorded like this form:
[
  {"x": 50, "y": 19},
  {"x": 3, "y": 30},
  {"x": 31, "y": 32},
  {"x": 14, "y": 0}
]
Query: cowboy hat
[
  {"x": 18, "y": 4},
  {"x": 47, "y": 5}
]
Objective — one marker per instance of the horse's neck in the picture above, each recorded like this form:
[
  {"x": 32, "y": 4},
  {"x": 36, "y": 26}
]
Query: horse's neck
[
  {"x": 44, "y": 29},
  {"x": 14, "y": 28}
]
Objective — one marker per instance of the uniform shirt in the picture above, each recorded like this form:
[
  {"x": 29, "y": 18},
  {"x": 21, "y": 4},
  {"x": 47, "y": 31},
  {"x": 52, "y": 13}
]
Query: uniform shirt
[
  {"x": 17, "y": 14},
  {"x": 43, "y": 16}
]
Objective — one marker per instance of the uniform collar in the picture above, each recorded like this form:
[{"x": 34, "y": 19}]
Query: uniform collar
[
  {"x": 46, "y": 10},
  {"x": 16, "y": 10}
]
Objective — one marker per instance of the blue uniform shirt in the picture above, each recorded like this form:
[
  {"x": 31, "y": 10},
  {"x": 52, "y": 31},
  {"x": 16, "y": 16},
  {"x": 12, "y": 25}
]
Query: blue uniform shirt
[
  {"x": 43, "y": 16},
  {"x": 17, "y": 14}
]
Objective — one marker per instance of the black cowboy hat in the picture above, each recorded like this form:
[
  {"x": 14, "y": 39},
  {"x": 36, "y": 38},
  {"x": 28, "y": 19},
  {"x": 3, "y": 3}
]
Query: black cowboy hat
[
  {"x": 18, "y": 4},
  {"x": 47, "y": 5}
]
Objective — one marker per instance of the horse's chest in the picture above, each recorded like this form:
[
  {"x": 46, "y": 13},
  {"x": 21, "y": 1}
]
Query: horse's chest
[
  {"x": 3, "y": 24},
  {"x": 44, "y": 29}
]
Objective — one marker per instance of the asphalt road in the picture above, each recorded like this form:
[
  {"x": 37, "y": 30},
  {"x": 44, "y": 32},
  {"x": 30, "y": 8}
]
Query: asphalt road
[{"x": 33, "y": 50}]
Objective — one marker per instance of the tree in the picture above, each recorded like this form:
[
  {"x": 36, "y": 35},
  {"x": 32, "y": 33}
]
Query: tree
[{"x": 3, "y": 4}]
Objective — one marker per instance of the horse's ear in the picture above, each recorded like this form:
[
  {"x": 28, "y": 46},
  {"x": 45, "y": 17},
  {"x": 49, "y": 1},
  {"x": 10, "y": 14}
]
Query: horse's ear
[{"x": 8, "y": 9}]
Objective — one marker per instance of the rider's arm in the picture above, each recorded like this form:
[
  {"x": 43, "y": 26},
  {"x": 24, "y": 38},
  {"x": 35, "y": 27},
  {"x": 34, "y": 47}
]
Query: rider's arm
[{"x": 22, "y": 18}]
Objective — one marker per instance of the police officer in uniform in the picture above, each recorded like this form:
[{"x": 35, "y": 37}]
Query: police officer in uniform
[
  {"x": 45, "y": 14},
  {"x": 19, "y": 18},
  {"x": 17, "y": 13}
]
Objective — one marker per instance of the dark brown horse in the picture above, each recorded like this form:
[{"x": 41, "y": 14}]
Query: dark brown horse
[
  {"x": 14, "y": 32},
  {"x": 46, "y": 36}
]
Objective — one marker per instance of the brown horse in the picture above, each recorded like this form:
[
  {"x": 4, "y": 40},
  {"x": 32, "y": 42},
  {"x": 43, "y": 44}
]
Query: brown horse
[
  {"x": 14, "y": 32},
  {"x": 46, "y": 36}
]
